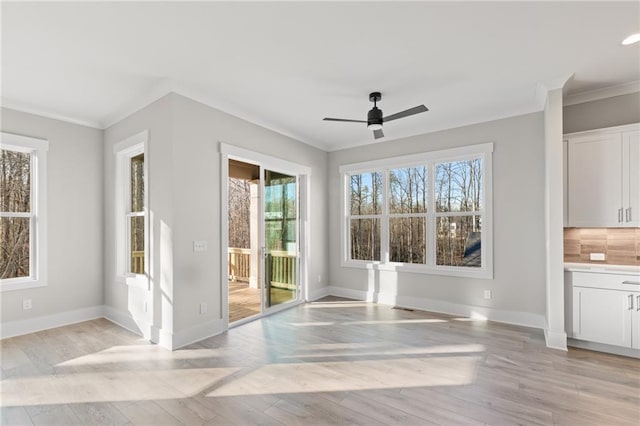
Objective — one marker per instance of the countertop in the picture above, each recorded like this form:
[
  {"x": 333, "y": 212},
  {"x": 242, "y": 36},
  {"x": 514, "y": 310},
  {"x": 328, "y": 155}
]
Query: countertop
[{"x": 602, "y": 268}]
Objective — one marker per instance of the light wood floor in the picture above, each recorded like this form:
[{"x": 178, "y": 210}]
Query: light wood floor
[{"x": 329, "y": 362}]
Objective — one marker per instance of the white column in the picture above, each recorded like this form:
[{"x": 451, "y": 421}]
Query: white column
[
  {"x": 555, "y": 334},
  {"x": 254, "y": 230}
]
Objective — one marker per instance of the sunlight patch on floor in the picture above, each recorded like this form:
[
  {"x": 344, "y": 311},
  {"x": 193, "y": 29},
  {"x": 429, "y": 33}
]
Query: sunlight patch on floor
[
  {"x": 440, "y": 349},
  {"x": 109, "y": 386},
  {"x": 142, "y": 353},
  {"x": 340, "y": 305},
  {"x": 402, "y": 321},
  {"x": 352, "y": 376},
  {"x": 369, "y": 322}
]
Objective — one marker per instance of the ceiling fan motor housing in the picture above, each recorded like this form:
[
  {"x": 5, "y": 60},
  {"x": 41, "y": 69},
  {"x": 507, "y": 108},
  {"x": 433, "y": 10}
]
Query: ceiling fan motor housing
[{"x": 374, "y": 116}]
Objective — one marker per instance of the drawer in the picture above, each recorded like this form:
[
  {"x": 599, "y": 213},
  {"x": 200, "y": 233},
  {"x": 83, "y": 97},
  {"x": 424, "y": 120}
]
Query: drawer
[{"x": 625, "y": 282}]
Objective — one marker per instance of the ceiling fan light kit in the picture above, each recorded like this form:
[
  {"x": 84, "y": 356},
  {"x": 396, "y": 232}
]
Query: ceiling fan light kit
[{"x": 375, "y": 118}]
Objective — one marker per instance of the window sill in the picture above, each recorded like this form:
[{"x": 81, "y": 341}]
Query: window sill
[
  {"x": 133, "y": 280},
  {"x": 20, "y": 284},
  {"x": 481, "y": 273}
]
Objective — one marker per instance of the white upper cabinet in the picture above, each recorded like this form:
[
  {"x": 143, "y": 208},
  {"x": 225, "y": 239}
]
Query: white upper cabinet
[
  {"x": 631, "y": 177},
  {"x": 603, "y": 177}
]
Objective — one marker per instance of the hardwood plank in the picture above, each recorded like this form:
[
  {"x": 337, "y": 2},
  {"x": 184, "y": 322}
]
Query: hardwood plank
[{"x": 335, "y": 361}]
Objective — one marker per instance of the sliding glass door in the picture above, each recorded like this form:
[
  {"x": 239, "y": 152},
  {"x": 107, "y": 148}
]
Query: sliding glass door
[{"x": 280, "y": 252}]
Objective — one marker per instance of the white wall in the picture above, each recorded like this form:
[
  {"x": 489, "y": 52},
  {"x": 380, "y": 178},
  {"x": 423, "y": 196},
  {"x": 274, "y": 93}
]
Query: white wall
[
  {"x": 608, "y": 112},
  {"x": 519, "y": 246},
  {"x": 126, "y": 303},
  {"x": 184, "y": 192},
  {"x": 198, "y": 131},
  {"x": 75, "y": 214}
]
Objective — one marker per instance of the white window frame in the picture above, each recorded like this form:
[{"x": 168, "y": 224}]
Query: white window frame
[
  {"x": 124, "y": 151},
  {"x": 429, "y": 159},
  {"x": 38, "y": 215}
]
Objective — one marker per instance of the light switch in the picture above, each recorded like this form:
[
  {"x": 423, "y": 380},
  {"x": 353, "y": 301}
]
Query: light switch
[{"x": 199, "y": 246}]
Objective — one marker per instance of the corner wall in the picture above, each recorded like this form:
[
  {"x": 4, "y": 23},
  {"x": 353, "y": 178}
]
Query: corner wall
[
  {"x": 74, "y": 235},
  {"x": 518, "y": 285},
  {"x": 184, "y": 198}
]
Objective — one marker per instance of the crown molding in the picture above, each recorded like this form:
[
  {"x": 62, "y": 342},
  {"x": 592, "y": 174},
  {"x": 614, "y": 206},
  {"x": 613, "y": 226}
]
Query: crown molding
[
  {"x": 605, "y": 92},
  {"x": 17, "y": 106}
]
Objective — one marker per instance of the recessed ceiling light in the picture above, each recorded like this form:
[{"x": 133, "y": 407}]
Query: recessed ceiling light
[{"x": 633, "y": 38}]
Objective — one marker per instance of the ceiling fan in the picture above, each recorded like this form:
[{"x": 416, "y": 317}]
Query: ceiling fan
[{"x": 375, "y": 119}]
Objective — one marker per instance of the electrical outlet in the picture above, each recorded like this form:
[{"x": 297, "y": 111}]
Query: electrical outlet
[
  {"x": 26, "y": 304},
  {"x": 596, "y": 256},
  {"x": 203, "y": 308},
  {"x": 199, "y": 246},
  {"x": 319, "y": 278},
  {"x": 487, "y": 294}
]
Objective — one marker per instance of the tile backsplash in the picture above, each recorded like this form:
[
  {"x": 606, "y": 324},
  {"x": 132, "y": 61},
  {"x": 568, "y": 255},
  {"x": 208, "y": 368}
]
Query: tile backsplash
[{"x": 621, "y": 246}]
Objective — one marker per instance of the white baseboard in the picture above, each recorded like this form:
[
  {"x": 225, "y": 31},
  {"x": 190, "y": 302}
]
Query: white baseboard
[
  {"x": 162, "y": 337},
  {"x": 318, "y": 293},
  {"x": 126, "y": 321},
  {"x": 196, "y": 333},
  {"x": 526, "y": 319},
  {"x": 555, "y": 340},
  {"x": 350, "y": 293},
  {"x": 32, "y": 325},
  {"x": 600, "y": 347},
  {"x": 167, "y": 339}
]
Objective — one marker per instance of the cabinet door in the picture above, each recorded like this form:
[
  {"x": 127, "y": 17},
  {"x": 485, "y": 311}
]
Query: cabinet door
[
  {"x": 595, "y": 180},
  {"x": 565, "y": 184},
  {"x": 635, "y": 321},
  {"x": 602, "y": 316},
  {"x": 631, "y": 177}
]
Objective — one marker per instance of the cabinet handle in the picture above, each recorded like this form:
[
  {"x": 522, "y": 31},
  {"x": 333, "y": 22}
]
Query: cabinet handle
[
  {"x": 638, "y": 303},
  {"x": 620, "y": 215},
  {"x": 631, "y": 282},
  {"x": 629, "y": 214},
  {"x": 630, "y": 302}
]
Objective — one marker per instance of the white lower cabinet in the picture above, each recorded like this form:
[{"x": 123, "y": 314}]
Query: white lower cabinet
[
  {"x": 604, "y": 316},
  {"x": 605, "y": 308}
]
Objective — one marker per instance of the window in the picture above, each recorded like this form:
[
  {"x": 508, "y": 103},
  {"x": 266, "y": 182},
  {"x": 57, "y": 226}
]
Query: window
[
  {"x": 427, "y": 212},
  {"x": 135, "y": 215},
  {"x": 365, "y": 214},
  {"x": 131, "y": 201},
  {"x": 23, "y": 172}
]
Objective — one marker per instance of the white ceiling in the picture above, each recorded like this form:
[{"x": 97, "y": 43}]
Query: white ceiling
[{"x": 288, "y": 65}]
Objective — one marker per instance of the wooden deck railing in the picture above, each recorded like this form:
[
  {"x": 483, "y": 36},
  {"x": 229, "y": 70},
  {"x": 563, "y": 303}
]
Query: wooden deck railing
[
  {"x": 282, "y": 267},
  {"x": 137, "y": 262},
  {"x": 239, "y": 261}
]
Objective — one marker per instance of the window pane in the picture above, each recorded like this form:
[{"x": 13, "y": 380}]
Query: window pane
[
  {"x": 365, "y": 239},
  {"x": 136, "y": 224},
  {"x": 15, "y": 181},
  {"x": 407, "y": 240},
  {"x": 458, "y": 241},
  {"x": 458, "y": 186},
  {"x": 137, "y": 183},
  {"x": 366, "y": 193},
  {"x": 14, "y": 255},
  {"x": 408, "y": 190}
]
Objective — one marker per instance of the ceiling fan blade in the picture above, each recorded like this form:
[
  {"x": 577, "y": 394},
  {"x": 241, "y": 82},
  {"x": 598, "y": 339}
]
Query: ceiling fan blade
[
  {"x": 378, "y": 134},
  {"x": 344, "y": 120},
  {"x": 406, "y": 113}
]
